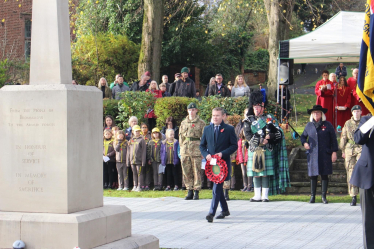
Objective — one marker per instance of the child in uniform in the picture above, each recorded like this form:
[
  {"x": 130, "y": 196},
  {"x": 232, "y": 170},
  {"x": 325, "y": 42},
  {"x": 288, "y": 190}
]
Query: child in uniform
[
  {"x": 169, "y": 158},
  {"x": 108, "y": 151},
  {"x": 136, "y": 157},
  {"x": 120, "y": 145},
  {"x": 147, "y": 170},
  {"x": 153, "y": 157},
  {"x": 242, "y": 158}
]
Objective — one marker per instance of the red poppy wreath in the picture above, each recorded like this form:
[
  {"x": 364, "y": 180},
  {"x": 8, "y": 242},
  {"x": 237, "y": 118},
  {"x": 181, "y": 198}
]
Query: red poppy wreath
[{"x": 216, "y": 173}]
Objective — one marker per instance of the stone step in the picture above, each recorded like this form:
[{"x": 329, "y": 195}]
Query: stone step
[
  {"x": 302, "y": 154},
  {"x": 302, "y": 176},
  {"x": 304, "y": 188},
  {"x": 136, "y": 241},
  {"x": 302, "y": 164}
]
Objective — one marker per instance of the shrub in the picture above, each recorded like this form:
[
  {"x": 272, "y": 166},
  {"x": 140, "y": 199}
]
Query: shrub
[
  {"x": 3, "y": 75},
  {"x": 137, "y": 104},
  {"x": 110, "y": 107},
  {"x": 234, "y": 106},
  {"x": 172, "y": 106},
  {"x": 104, "y": 55},
  {"x": 134, "y": 104}
]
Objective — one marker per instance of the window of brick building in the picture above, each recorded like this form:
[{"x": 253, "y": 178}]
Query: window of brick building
[{"x": 27, "y": 38}]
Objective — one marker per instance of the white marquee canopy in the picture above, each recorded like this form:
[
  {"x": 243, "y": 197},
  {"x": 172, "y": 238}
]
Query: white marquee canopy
[{"x": 337, "y": 40}]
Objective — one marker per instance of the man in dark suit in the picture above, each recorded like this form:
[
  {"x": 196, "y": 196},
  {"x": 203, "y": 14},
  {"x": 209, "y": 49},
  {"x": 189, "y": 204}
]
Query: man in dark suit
[
  {"x": 219, "y": 88},
  {"x": 363, "y": 177},
  {"x": 218, "y": 139}
]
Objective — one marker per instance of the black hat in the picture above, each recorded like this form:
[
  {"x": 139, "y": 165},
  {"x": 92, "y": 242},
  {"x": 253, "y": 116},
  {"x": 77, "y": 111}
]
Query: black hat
[
  {"x": 356, "y": 107},
  {"x": 317, "y": 108},
  {"x": 256, "y": 98}
]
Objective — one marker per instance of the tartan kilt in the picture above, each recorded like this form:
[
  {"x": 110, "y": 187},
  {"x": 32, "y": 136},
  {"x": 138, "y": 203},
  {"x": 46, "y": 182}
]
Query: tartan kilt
[{"x": 269, "y": 164}]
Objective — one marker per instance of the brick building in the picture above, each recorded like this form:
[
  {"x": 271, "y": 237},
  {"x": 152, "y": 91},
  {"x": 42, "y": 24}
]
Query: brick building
[
  {"x": 15, "y": 29},
  {"x": 254, "y": 77}
]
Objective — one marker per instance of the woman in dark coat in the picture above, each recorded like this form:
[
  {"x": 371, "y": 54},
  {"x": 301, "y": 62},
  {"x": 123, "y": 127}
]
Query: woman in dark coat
[
  {"x": 320, "y": 142},
  {"x": 171, "y": 124}
]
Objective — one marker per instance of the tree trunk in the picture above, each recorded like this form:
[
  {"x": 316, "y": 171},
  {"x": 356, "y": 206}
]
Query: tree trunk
[
  {"x": 278, "y": 30},
  {"x": 150, "y": 52}
]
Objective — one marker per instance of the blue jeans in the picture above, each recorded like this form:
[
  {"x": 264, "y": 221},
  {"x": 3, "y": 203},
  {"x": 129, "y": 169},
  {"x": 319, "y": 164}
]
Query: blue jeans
[{"x": 218, "y": 197}]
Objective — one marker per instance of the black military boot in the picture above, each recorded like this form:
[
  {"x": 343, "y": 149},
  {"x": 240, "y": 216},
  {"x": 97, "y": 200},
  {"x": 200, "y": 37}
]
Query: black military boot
[
  {"x": 313, "y": 189},
  {"x": 227, "y": 198},
  {"x": 324, "y": 191},
  {"x": 354, "y": 201},
  {"x": 196, "y": 195},
  {"x": 189, "y": 195}
]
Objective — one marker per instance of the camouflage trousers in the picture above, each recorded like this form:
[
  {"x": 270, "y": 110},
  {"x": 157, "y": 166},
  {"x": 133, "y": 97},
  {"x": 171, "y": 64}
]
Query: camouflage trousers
[
  {"x": 191, "y": 172},
  {"x": 230, "y": 183},
  {"x": 208, "y": 183},
  {"x": 352, "y": 154}
]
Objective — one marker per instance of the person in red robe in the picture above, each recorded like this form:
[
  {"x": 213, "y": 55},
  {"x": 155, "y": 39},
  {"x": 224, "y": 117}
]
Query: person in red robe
[
  {"x": 355, "y": 99},
  {"x": 343, "y": 102},
  {"x": 332, "y": 78},
  {"x": 325, "y": 95}
]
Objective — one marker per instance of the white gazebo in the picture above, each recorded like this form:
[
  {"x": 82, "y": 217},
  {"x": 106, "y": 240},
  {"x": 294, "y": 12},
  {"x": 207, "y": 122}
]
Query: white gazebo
[{"x": 337, "y": 40}]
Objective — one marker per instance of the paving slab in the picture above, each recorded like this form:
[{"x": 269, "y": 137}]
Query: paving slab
[{"x": 181, "y": 224}]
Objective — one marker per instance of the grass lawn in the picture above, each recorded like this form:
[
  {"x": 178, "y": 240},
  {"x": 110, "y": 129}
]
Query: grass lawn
[
  {"x": 303, "y": 102},
  {"x": 234, "y": 195}
]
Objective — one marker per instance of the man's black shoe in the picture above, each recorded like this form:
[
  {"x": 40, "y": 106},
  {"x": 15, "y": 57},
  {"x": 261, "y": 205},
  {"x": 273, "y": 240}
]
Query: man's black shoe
[
  {"x": 223, "y": 214},
  {"x": 209, "y": 218}
]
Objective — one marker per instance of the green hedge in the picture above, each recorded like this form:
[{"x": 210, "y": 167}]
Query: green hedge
[
  {"x": 137, "y": 104},
  {"x": 110, "y": 107},
  {"x": 175, "y": 107}
]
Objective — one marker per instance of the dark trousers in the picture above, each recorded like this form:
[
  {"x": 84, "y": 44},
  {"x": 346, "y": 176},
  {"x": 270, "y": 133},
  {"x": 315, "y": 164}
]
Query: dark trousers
[
  {"x": 171, "y": 174},
  {"x": 367, "y": 208},
  {"x": 151, "y": 123},
  {"x": 108, "y": 169},
  {"x": 218, "y": 197}
]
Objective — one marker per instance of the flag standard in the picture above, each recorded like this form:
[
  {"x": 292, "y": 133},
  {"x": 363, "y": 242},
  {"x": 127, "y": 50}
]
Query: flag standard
[{"x": 365, "y": 82}]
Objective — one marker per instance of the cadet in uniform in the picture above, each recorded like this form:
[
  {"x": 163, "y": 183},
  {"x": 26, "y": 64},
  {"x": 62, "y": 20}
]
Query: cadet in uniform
[
  {"x": 190, "y": 133},
  {"x": 351, "y": 150}
]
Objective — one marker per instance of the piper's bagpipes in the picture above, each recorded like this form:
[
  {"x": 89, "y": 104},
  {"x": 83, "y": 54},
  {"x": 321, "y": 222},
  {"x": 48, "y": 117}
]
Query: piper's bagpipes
[{"x": 295, "y": 134}]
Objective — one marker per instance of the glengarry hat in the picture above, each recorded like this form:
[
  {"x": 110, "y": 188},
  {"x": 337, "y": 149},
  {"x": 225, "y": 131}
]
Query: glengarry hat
[{"x": 317, "y": 108}]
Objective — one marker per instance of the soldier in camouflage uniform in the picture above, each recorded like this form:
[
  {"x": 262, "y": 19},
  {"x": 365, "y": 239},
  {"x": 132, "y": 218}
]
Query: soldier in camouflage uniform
[
  {"x": 351, "y": 150},
  {"x": 190, "y": 132}
]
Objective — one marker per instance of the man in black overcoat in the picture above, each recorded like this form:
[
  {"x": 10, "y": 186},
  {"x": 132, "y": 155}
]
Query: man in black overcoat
[{"x": 363, "y": 177}]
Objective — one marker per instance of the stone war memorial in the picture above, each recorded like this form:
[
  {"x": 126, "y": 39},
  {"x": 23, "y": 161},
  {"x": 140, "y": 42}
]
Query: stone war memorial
[{"x": 51, "y": 152}]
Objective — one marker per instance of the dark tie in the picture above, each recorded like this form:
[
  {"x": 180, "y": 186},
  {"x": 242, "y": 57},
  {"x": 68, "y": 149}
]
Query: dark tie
[{"x": 216, "y": 129}]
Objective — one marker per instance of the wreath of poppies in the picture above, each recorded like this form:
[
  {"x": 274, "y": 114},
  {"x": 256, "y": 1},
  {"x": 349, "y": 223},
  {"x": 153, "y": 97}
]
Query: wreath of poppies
[{"x": 223, "y": 171}]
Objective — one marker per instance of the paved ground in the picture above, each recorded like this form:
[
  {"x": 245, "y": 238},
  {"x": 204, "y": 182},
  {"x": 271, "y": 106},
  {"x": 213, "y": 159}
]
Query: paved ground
[{"x": 181, "y": 224}]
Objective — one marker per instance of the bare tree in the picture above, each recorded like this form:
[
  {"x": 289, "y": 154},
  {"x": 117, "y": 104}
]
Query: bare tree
[
  {"x": 279, "y": 14},
  {"x": 150, "y": 52}
]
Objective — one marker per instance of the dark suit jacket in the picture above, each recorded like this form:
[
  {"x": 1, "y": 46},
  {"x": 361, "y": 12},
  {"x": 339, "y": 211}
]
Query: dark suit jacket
[
  {"x": 363, "y": 173},
  {"x": 226, "y": 143},
  {"x": 224, "y": 91}
]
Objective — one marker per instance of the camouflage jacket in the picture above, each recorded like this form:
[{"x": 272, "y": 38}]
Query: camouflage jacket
[
  {"x": 347, "y": 137},
  {"x": 190, "y": 133}
]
